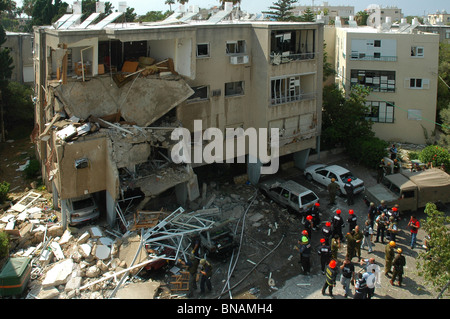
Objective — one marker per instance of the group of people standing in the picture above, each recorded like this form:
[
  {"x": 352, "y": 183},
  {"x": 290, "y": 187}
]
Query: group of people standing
[{"x": 381, "y": 218}]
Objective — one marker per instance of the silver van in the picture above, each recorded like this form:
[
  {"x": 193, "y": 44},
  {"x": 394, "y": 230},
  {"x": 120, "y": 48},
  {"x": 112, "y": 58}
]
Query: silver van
[{"x": 289, "y": 194}]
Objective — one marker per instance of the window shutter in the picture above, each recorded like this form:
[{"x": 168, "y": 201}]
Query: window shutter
[
  {"x": 407, "y": 83},
  {"x": 426, "y": 84}
]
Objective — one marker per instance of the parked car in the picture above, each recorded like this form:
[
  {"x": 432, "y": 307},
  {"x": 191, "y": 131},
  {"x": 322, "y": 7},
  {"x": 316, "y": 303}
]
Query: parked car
[
  {"x": 82, "y": 209},
  {"x": 323, "y": 174},
  {"x": 289, "y": 194}
]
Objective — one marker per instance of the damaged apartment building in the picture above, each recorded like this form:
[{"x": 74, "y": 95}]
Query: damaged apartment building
[{"x": 110, "y": 94}]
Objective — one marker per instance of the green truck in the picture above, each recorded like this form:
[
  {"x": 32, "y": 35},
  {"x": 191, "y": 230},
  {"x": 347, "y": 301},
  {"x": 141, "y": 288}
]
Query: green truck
[{"x": 411, "y": 190}]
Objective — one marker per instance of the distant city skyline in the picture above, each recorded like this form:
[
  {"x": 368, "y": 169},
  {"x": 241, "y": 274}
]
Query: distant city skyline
[{"x": 409, "y": 7}]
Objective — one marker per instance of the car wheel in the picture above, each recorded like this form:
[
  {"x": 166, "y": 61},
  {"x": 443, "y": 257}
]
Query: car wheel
[{"x": 309, "y": 177}]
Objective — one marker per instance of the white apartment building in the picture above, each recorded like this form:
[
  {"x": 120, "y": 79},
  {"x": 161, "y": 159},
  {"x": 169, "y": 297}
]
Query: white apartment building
[
  {"x": 400, "y": 68},
  {"x": 330, "y": 11}
]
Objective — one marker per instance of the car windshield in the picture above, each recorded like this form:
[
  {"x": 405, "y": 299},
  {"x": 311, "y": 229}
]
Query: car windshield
[
  {"x": 83, "y": 203},
  {"x": 308, "y": 198}
]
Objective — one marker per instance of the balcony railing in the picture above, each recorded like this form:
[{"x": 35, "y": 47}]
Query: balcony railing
[
  {"x": 293, "y": 98},
  {"x": 279, "y": 58},
  {"x": 385, "y": 58}
]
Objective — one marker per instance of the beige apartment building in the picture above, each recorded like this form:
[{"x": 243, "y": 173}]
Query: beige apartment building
[
  {"x": 109, "y": 96},
  {"x": 439, "y": 18},
  {"x": 21, "y": 50},
  {"x": 400, "y": 68}
]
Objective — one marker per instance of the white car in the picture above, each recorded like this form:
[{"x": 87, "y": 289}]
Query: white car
[{"x": 323, "y": 174}]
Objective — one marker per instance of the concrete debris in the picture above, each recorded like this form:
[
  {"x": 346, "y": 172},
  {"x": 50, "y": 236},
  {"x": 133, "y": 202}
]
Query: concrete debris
[{"x": 95, "y": 261}]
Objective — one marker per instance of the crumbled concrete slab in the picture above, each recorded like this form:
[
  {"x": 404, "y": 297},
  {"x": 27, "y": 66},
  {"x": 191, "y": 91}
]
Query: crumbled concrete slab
[
  {"x": 144, "y": 290},
  {"x": 58, "y": 274}
]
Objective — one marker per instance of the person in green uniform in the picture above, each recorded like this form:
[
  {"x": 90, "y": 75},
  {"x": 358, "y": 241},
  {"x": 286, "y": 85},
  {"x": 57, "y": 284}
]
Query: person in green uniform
[
  {"x": 333, "y": 188},
  {"x": 358, "y": 236},
  {"x": 351, "y": 244},
  {"x": 399, "y": 262},
  {"x": 335, "y": 245},
  {"x": 389, "y": 257}
]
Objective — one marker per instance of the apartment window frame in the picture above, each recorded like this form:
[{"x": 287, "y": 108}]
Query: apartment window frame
[
  {"x": 417, "y": 83},
  {"x": 378, "y": 80},
  {"x": 417, "y": 52},
  {"x": 380, "y": 111},
  {"x": 236, "y": 47},
  {"x": 207, "y": 55},
  {"x": 377, "y": 43},
  {"x": 281, "y": 90},
  {"x": 201, "y": 93},
  {"x": 236, "y": 88}
]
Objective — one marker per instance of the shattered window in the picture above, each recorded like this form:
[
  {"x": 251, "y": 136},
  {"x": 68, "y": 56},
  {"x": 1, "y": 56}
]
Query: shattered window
[
  {"x": 203, "y": 50},
  {"x": 234, "y": 47},
  {"x": 200, "y": 93},
  {"x": 234, "y": 88}
]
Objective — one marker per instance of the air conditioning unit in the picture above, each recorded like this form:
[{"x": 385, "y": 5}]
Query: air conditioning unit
[{"x": 239, "y": 59}]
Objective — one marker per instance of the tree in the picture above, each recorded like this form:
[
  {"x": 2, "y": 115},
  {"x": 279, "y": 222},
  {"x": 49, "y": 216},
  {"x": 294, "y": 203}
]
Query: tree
[
  {"x": 434, "y": 263},
  {"x": 327, "y": 67},
  {"x": 45, "y": 12},
  {"x": 281, "y": 10},
  {"x": 170, "y": 3},
  {"x": 27, "y": 7},
  {"x": 307, "y": 16},
  {"x": 344, "y": 124},
  {"x": 153, "y": 16},
  {"x": 129, "y": 16},
  {"x": 89, "y": 7},
  {"x": 443, "y": 94},
  {"x": 6, "y": 68},
  {"x": 361, "y": 17},
  {"x": 444, "y": 140}
]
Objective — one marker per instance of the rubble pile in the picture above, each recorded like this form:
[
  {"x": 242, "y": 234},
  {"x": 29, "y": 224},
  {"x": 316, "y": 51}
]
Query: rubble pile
[{"x": 97, "y": 262}]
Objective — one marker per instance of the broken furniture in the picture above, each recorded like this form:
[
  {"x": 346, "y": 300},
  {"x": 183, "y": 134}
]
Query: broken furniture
[
  {"x": 181, "y": 282},
  {"x": 145, "y": 219}
]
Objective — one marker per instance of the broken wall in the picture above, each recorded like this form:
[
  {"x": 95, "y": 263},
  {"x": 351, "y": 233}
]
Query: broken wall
[
  {"x": 142, "y": 100},
  {"x": 72, "y": 182}
]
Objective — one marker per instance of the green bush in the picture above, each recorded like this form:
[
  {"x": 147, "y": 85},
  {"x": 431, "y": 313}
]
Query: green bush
[
  {"x": 413, "y": 155},
  {"x": 367, "y": 151},
  {"x": 4, "y": 189},
  {"x": 436, "y": 155},
  {"x": 4, "y": 244},
  {"x": 32, "y": 170}
]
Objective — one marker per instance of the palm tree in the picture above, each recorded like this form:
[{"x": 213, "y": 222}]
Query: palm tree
[{"x": 170, "y": 2}]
